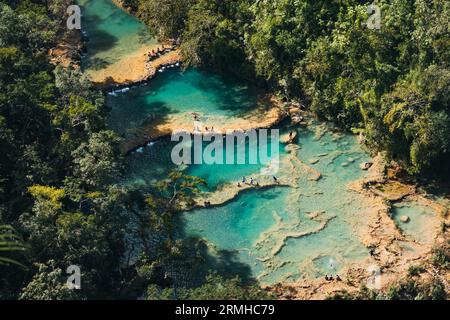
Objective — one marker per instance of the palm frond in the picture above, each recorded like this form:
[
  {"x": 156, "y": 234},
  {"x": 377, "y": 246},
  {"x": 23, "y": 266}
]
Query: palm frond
[{"x": 10, "y": 241}]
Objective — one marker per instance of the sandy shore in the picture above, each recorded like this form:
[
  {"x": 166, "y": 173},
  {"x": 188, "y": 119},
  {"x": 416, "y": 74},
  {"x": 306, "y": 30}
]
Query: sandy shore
[{"x": 133, "y": 68}]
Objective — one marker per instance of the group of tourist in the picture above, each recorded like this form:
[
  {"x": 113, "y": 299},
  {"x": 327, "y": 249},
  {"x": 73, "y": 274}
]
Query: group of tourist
[
  {"x": 197, "y": 128},
  {"x": 330, "y": 278},
  {"x": 253, "y": 182},
  {"x": 154, "y": 54}
]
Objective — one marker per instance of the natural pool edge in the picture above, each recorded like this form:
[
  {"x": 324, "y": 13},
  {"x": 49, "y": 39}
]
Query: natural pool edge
[{"x": 392, "y": 258}]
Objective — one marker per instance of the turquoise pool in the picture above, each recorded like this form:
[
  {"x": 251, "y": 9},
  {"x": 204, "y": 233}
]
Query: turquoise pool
[
  {"x": 175, "y": 92},
  {"x": 112, "y": 33}
]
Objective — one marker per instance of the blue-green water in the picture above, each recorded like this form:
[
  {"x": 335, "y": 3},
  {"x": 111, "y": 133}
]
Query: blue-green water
[
  {"x": 176, "y": 92},
  {"x": 153, "y": 163},
  {"x": 421, "y": 226},
  {"x": 249, "y": 223},
  {"x": 112, "y": 32}
]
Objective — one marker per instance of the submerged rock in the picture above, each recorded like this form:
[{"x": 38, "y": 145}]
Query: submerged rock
[
  {"x": 291, "y": 148},
  {"x": 322, "y": 154},
  {"x": 404, "y": 219}
]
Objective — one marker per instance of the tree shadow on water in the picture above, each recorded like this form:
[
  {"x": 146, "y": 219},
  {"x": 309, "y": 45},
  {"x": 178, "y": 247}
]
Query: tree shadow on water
[
  {"x": 233, "y": 95},
  {"x": 99, "y": 40},
  {"x": 202, "y": 259},
  {"x": 134, "y": 111}
]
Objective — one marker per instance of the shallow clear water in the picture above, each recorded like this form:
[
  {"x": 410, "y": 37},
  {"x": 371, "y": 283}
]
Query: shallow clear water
[
  {"x": 112, "y": 32},
  {"x": 318, "y": 245},
  {"x": 420, "y": 225}
]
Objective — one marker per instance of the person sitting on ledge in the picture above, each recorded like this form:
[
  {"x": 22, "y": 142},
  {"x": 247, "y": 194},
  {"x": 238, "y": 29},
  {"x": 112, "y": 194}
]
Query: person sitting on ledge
[
  {"x": 195, "y": 115},
  {"x": 239, "y": 184},
  {"x": 244, "y": 180}
]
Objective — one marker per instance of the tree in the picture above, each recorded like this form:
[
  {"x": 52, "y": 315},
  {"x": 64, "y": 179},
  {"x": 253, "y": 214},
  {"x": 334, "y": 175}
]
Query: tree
[
  {"x": 10, "y": 241},
  {"x": 95, "y": 161},
  {"x": 49, "y": 283},
  {"x": 165, "y": 17}
]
